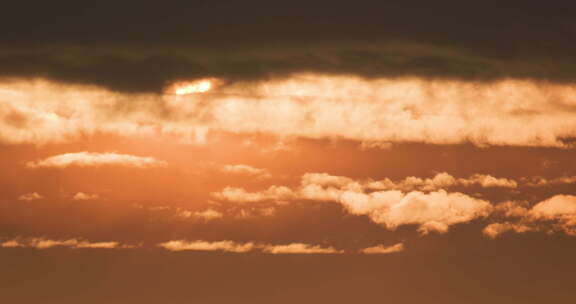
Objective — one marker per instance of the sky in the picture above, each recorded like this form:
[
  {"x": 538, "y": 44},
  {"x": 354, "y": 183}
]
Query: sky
[{"x": 288, "y": 151}]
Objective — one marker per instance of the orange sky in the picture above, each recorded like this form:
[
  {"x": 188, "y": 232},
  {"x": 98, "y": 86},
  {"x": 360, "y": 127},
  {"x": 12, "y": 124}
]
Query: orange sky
[{"x": 282, "y": 152}]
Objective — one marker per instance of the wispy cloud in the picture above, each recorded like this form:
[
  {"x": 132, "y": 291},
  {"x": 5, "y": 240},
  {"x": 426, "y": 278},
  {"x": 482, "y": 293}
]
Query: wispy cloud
[
  {"x": 43, "y": 243},
  {"x": 299, "y": 248},
  {"x": 382, "y": 249},
  {"x": 247, "y": 170},
  {"x": 226, "y": 246},
  {"x": 291, "y": 248},
  {"x": 88, "y": 159},
  {"x": 243, "y": 247},
  {"x": 33, "y": 196},
  {"x": 81, "y": 196}
]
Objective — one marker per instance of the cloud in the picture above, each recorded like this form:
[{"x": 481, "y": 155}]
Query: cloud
[
  {"x": 316, "y": 106},
  {"x": 242, "y": 196},
  {"x": 559, "y": 206},
  {"x": 246, "y": 170},
  {"x": 433, "y": 211},
  {"x": 81, "y": 196},
  {"x": 88, "y": 159},
  {"x": 442, "y": 181},
  {"x": 30, "y": 197},
  {"x": 420, "y": 201},
  {"x": 180, "y": 213},
  {"x": 230, "y": 246},
  {"x": 496, "y": 229},
  {"x": 206, "y": 215},
  {"x": 42, "y": 243},
  {"x": 227, "y": 246},
  {"x": 299, "y": 248},
  {"x": 556, "y": 214},
  {"x": 543, "y": 182},
  {"x": 381, "y": 249}
]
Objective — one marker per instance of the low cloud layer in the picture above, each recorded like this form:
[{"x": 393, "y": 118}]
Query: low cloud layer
[
  {"x": 319, "y": 106},
  {"x": 88, "y": 159}
]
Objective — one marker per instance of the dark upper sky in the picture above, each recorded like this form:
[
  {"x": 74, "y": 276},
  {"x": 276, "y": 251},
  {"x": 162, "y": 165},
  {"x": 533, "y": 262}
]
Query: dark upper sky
[{"x": 140, "y": 46}]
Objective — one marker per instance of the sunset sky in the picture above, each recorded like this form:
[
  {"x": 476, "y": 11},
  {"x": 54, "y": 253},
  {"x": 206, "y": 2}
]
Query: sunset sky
[{"x": 288, "y": 152}]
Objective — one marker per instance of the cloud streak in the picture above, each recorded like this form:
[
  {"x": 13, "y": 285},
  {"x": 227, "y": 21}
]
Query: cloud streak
[
  {"x": 88, "y": 159},
  {"x": 33, "y": 196},
  {"x": 276, "y": 249},
  {"x": 43, "y": 243},
  {"x": 381, "y": 249},
  {"x": 247, "y": 170}
]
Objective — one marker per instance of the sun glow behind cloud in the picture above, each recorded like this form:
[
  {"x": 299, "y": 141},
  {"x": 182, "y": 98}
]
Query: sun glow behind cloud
[{"x": 192, "y": 87}]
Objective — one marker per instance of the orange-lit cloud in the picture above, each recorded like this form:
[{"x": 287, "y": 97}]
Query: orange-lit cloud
[
  {"x": 227, "y": 246},
  {"x": 242, "y": 196},
  {"x": 299, "y": 248},
  {"x": 556, "y": 214},
  {"x": 230, "y": 246},
  {"x": 246, "y": 170},
  {"x": 433, "y": 211},
  {"x": 381, "y": 249},
  {"x": 494, "y": 230},
  {"x": 439, "y": 181},
  {"x": 87, "y": 159},
  {"x": 33, "y": 196},
  {"x": 508, "y": 112},
  {"x": 206, "y": 215},
  {"x": 172, "y": 212},
  {"x": 81, "y": 196},
  {"x": 42, "y": 243}
]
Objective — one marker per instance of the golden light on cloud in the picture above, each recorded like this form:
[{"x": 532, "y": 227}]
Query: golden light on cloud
[{"x": 192, "y": 87}]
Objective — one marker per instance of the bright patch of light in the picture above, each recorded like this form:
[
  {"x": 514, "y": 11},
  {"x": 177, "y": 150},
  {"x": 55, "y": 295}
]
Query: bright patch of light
[{"x": 194, "y": 87}]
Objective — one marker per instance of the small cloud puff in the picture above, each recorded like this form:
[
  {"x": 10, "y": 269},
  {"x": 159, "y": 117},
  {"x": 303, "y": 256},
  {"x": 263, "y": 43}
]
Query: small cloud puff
[{"x": 30, "y": 197}]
